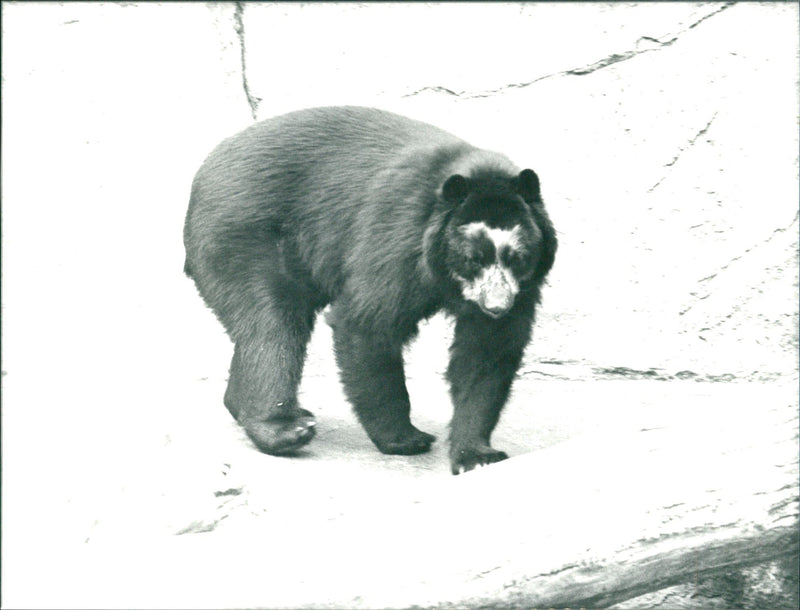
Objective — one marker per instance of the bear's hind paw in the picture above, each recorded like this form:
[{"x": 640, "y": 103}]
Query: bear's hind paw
[{"x": 281, "y": 437}]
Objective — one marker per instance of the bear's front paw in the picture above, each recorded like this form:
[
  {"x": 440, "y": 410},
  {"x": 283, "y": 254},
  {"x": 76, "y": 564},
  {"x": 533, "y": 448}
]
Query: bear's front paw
[
  {"x": 409, "y": 442},
  {"x": 282, "y": 435},
  {"x": 464, "y": 460}
]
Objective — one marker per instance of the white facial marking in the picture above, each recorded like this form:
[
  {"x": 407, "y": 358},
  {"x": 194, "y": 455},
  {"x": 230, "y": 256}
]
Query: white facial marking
[
  {"x": 499, "y": 237},
  {"x": 495, "y": 287}
]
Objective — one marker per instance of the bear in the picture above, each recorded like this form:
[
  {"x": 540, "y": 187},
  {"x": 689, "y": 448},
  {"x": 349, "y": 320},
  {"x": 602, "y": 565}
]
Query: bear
[{"x": 386, "y": 221}]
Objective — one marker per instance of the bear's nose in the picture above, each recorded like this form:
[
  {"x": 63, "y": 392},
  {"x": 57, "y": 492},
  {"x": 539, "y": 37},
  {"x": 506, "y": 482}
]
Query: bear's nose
[{"x": 497, "y": 295}]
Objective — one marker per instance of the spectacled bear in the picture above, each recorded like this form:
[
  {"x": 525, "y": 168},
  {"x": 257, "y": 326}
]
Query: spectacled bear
[{"x": 388, "y": 220}]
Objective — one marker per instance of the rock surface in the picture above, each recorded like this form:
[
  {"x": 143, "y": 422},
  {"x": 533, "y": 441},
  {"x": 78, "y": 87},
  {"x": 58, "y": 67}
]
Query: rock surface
[{"x": 666, "y": 139}]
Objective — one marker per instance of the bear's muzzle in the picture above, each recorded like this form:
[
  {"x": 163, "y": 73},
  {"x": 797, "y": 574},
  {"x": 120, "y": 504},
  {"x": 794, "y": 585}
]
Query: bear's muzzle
[{"x": 493, "y": 290}]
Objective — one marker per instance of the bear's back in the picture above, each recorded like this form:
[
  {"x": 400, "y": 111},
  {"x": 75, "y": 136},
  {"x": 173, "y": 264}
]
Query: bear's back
[
  {"x": 309, "y": 157},
  {"x": 314, "y": 131}
]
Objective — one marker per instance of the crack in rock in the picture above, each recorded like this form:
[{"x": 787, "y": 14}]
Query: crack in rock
[
  {"x": 486, "y": 93},
  {"x": 233, "y": 491},
  {"x": 725, "y": 6},
  {"x": 734, "y": 260},
  {"x": 201, "y": 527},
  {"x": 775, "y": 232},
  {"x": 252, "y": 100},
  {"x": 698, "y": 135},
  {"x": 575, "y": 371},
  {"x": 691, "y": 143},
  {"x": 612, "y": 59},
  {"x": 655, "y": 44}
]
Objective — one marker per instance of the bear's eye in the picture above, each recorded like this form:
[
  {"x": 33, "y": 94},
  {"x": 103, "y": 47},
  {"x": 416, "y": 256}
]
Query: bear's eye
[
  {"x": 518, "y": 261},
  {"x": 509, "y": 257},
  {"x": 481, "y": 256}
]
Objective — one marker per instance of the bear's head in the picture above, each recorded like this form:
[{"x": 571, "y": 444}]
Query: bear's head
[{"x": 498, "y": 239}]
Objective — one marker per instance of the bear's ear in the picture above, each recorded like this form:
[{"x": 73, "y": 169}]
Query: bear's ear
[
  {"x": 455, "y": 189},
  {"x": 528, "y": 186}
]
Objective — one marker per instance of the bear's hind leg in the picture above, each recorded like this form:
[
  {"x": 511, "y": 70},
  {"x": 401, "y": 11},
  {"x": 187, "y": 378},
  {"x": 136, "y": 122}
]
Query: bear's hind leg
[
  {"x": 265, "y": 373},
  {"x": 372, "y": 374}
]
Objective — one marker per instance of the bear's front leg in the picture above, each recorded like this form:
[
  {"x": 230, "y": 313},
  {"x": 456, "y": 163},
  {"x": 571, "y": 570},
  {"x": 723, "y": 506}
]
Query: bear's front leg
[
  {"x": 484, "y": 358},
  {"x": 371, "y": 370}
]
